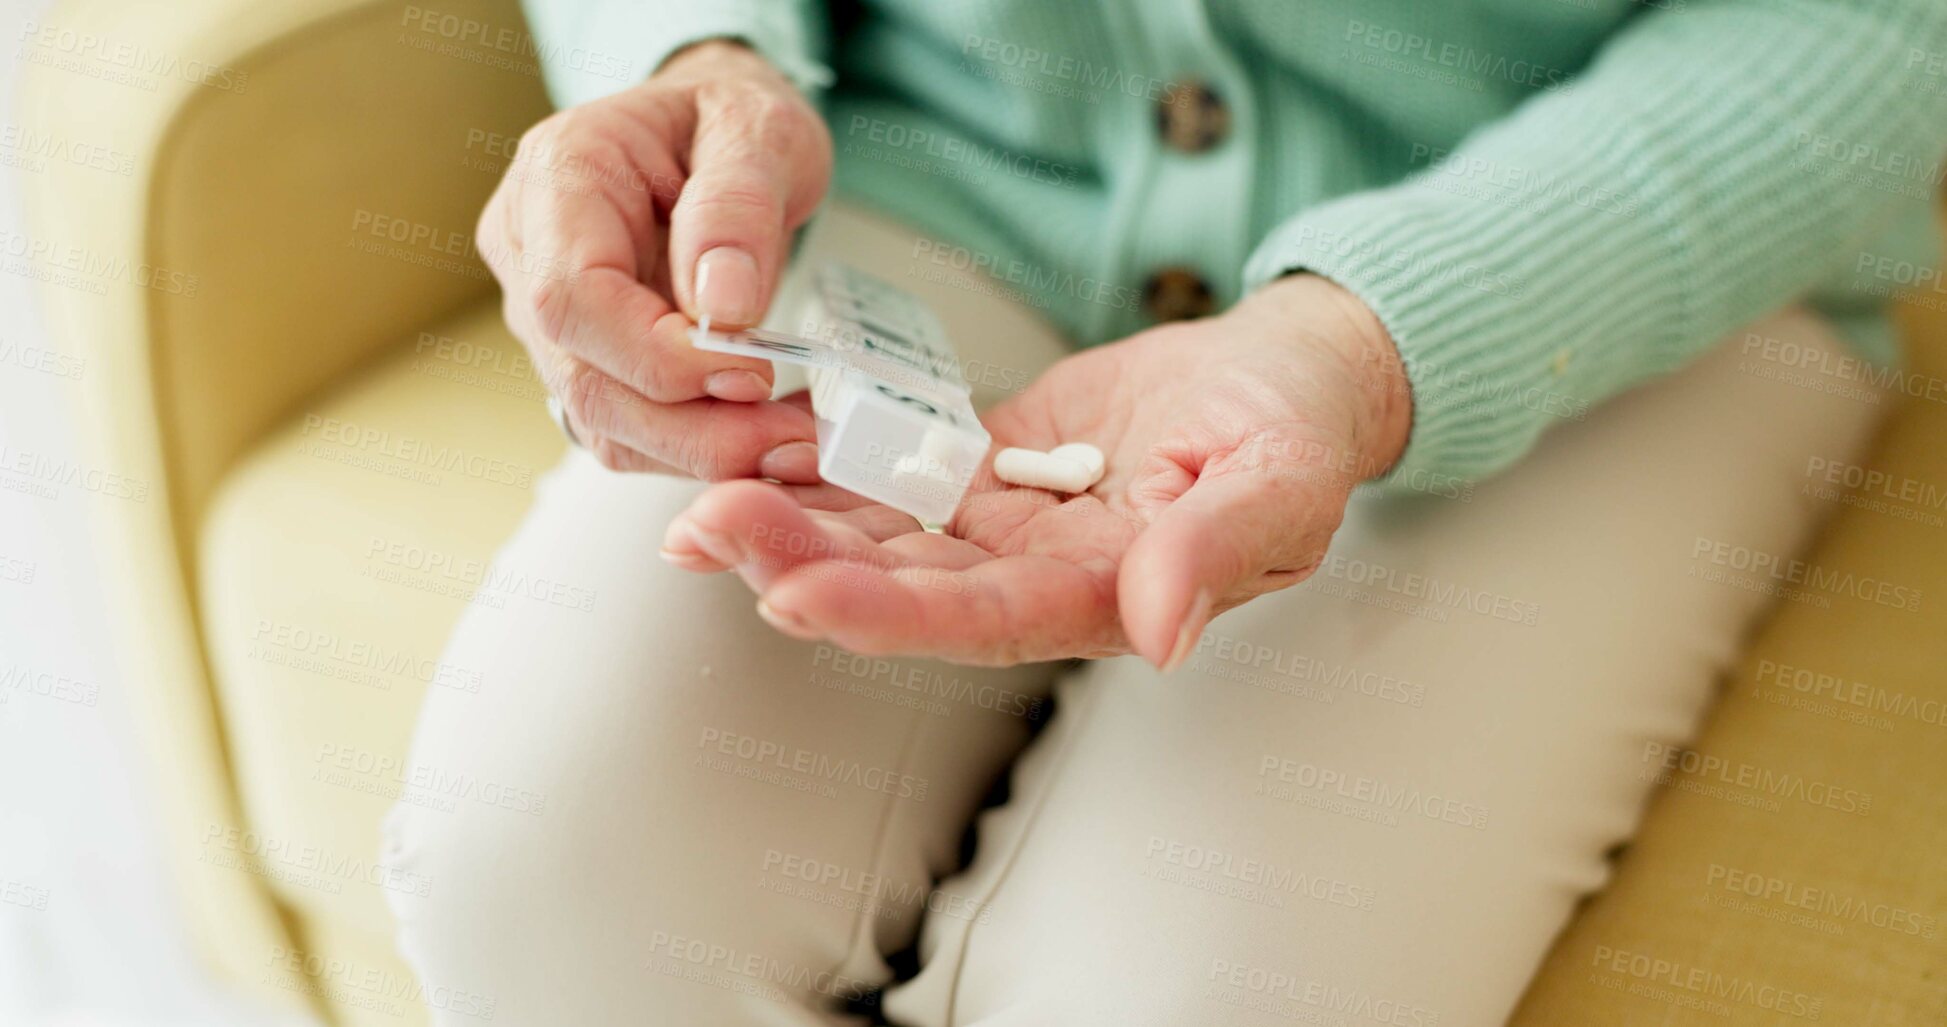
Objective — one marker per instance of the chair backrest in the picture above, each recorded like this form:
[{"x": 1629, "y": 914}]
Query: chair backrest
[{"x": 294, "y": 187}]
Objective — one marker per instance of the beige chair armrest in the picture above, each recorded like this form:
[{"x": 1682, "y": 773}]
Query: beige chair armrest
[{"x": 279, "y": 190}]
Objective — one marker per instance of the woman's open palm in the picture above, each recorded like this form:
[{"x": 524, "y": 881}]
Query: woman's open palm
[{"x": 1232, "y": 444}]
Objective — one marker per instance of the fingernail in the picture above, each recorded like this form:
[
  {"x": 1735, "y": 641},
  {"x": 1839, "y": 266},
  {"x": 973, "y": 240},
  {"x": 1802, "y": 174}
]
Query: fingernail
[
  {"x": 789, "y": 623},
  {"x": 1192, "y": 629},
  {"x": 794, "y": 463},
  {"x": 718, "y": 547},
  {"x": 696, "y": 562},
  {"x": 683, "y": 536},
  {"x": 737, "y": 386},
  {"x": 726, "y": 286}
]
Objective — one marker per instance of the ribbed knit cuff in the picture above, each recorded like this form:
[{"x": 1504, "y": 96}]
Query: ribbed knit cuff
[
  {"x": 584, "y": 43},
  {"x": 1509, "y": 314},
  {"x": 1610, "y": 229}
]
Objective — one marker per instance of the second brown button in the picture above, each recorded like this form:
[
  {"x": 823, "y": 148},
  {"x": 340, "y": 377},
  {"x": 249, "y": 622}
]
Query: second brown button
[
  {"x": 1191, "y": 117},
  {"x": 1177, "y": 294}
]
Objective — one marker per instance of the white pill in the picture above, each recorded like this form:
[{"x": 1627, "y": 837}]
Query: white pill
[
  {"x": 1086, "y": 455},
  {"x": 1038, "y": 470}
]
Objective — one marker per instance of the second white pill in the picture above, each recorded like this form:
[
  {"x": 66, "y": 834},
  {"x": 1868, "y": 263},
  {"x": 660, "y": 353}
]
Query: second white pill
[{"x": 1071, "y": 468}]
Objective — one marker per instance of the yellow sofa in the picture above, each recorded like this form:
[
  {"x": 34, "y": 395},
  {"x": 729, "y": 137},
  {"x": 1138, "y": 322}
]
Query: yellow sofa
[{"x": 296, "y": 348}]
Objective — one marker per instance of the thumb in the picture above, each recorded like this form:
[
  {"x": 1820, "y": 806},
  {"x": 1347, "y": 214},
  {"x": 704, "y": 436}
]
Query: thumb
[
  {"x": 752, "y": 181},
  {"x": 1231, "y": 534}
]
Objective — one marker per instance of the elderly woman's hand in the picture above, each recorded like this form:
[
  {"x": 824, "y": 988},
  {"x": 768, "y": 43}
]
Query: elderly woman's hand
[
  {"x": 621, "y": 221},
  {"x": 1233, "y": 444}
]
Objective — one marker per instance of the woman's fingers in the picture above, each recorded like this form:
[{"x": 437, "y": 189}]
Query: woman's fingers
[
  {"x": 758, "y": 164},
  {"x": 724, "y": 147},
  {"x": 1233, "y": 534},
  {"x": 994, "y": 611},
  {"x": 762, "y": 531},
  {"x": 579, "y": 269},
  {"x": 827, "y": 576},
  {"x": 707, "y": 439}
]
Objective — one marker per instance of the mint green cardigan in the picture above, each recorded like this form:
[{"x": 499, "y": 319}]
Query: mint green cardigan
[{"x": 1546, "y": 201}]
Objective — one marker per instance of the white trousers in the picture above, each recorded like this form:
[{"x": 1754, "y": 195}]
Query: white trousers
[{"x": 1370, "y": 799}]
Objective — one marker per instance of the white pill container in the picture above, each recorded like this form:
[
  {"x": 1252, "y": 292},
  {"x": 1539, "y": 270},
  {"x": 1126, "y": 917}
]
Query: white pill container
[{"x": 896, "y": 421}]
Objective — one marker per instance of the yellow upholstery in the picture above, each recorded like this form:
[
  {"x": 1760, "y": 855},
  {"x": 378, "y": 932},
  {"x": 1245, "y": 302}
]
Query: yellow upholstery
[
  {"x": 1851, "y": 903},
  {"x": 289, "y": 583},
  {"x": 259, "y": 133},
  {"x": 337, "y": 554}
]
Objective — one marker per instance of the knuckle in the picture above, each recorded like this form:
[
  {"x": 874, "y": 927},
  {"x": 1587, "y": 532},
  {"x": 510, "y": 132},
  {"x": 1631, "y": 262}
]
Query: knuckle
[
  {"x": 486, "y": 228},
  {"x": 548, "y": 304},
  {"x": 581, "y": 395},
  {"x": 545, "y": 135},
  {"x": 513, "y": 311},
  {"x": 739, "y": 196},
  {"x": 609, "y": 453},
  {"x": 645, "y": 372},
  {"x": 701, "y": 457}
]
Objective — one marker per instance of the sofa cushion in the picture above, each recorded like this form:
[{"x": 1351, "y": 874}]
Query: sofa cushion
[
  {"x": 337, "y": 555},
  {"x": 1789, "y": 870}
]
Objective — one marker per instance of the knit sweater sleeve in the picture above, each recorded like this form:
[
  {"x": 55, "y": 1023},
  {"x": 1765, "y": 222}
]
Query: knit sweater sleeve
[
  {"x": 591, "y": 48},
  {"x": 1711, "y": 163}
]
